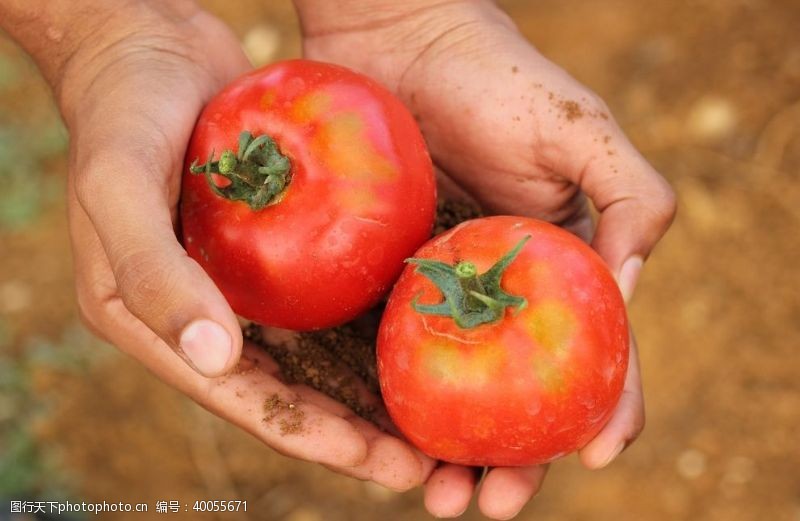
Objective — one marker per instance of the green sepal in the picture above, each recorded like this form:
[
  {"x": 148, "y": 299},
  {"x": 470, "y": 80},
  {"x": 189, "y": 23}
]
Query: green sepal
[
  {"x": 258, "y": 172},
  {"x": 469, "y": 301}
]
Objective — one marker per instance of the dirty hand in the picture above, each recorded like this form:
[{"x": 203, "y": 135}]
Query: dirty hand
[
  {"x": 130, "y": 79},
  {"x": 522, "y": 137}
]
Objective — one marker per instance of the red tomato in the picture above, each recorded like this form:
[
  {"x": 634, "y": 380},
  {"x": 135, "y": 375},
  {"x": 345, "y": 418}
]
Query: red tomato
[
  {"x": 309, "y": 227},
  {"x": 537, "y": 364}
]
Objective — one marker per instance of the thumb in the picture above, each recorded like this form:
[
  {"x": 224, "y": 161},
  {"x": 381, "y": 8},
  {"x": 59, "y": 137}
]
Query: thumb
[
  {"x": 635, "y": 203},
  {"x": 128, "y": 203}
]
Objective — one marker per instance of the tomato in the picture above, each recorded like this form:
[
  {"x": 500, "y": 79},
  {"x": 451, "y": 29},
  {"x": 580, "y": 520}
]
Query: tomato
[
  {"x": 504, "y": 343},
  {"x": 316, "y": 185}
]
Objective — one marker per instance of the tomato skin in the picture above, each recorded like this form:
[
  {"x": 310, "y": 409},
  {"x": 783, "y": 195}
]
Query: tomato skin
[
  {"x": 361, "y": 197},
  {"x": 537, "y": 384}
]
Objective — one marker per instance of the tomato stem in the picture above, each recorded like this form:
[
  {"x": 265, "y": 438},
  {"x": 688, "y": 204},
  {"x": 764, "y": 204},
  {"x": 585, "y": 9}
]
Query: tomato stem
[
  {"x": 258, "y": 172},
  {"x": 470, "y": 299}
]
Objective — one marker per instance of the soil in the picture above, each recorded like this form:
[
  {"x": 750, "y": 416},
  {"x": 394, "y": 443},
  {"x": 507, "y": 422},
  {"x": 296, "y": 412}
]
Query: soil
[
  {"x": 328, "y": 361},
  {"x": 709, "y": 92}
]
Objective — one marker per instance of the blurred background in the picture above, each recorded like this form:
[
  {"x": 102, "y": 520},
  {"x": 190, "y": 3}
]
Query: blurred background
[{"x": 708, "y": 90}]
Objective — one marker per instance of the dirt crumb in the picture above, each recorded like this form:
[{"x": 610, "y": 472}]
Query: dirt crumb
[
  {"x": 514, "y": 69},
  {"x": 291, "y": 416}
]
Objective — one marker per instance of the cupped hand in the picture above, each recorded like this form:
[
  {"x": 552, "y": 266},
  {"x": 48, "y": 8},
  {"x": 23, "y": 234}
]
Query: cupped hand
[
  {"x": 522, "y": 137},
  {"x": 130, "y": 94}
]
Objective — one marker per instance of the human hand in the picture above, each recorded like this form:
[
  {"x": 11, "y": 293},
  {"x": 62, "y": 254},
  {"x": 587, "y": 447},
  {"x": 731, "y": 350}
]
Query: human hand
[
  {"x": 522, "y": 137},
  {"x": 130, "y": 88}
]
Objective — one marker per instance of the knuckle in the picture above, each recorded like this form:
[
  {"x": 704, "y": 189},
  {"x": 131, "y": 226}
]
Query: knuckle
[
  {"x": 101, "y": 171},
  {"x": 637, "y": 425},
  {"x": 89, "y": 311},
  {"x": 88, "y": 177},
  {"x": 598, "y": 105},
  {"x": 664, "y": 204}
]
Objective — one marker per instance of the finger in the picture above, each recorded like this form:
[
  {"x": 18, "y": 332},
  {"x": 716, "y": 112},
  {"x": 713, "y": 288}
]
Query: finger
[
  {"x": 258, "y": 402},
  {"x": 370, "y": 404},
  {"x": 506, "y": 490},
  {"x": 390, "y": 461},
  {"x": 127, "y": 202},
  {"x": 449, "y": 490},
  {"x": 635, "y": 203},
  {"x": 626, "y": 423},
  {"x": 313, "y": 434},
  {"x": 249, "y": 398}
]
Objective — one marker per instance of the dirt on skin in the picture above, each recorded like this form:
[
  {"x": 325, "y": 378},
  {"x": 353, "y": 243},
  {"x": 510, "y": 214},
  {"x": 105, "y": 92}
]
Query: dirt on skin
[
  {"x": 288, "y": 414},
  {"x": 715, "y": 313}
]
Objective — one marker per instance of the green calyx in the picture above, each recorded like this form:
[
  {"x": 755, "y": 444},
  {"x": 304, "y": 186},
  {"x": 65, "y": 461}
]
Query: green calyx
[
  {"x": 258, "y": 172},
  {"x": 470, "y": 299}
]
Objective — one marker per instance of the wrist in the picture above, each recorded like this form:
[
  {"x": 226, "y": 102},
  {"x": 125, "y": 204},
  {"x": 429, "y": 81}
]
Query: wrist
[
  {"x": 41, "y": 29},
  {"x": 64, "y": 37},
  {"x": 401, "y": 33}
]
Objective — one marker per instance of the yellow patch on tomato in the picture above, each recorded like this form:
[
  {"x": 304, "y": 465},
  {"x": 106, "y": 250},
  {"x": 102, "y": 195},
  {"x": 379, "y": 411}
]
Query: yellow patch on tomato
[
  {"x": 462, "y": 365},
  {"x": 553, "y": 327},
  {"x": 549, "y": 375},
  {"x": 311, "y": 107},
  {"x": 341, "y": 143},
  {"x": 357, "y": 200}
]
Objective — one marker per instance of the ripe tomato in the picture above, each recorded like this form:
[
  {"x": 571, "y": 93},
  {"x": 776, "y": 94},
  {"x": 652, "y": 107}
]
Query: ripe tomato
[
  {"x": 307, "y": 227},
  {"x": 504, "y": 343}
]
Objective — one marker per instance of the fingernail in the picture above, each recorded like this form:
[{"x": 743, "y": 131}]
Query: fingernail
[
  {"x": 613, "y": 455},
  {"x": 629, "y": 275},
  {"x": 207, "y": 345}
]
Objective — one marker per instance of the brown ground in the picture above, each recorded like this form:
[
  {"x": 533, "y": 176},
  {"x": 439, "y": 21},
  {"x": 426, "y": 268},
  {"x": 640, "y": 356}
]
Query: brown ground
[{"x": 710, "y": 92}]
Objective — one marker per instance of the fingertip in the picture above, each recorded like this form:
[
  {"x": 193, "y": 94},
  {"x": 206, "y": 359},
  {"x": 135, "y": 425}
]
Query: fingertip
[
  {"x": 206, "y": 346},
  {"x": 355, "y": 454},
  {"x": 339, "y": 445},
  {"x": 448, "y": 491},
  {"x": 506, "y": 490},
  {"x": 623, "y": 428},
  {"x": 407, "y": 475},
  {"x": 596, "y": 458}
]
